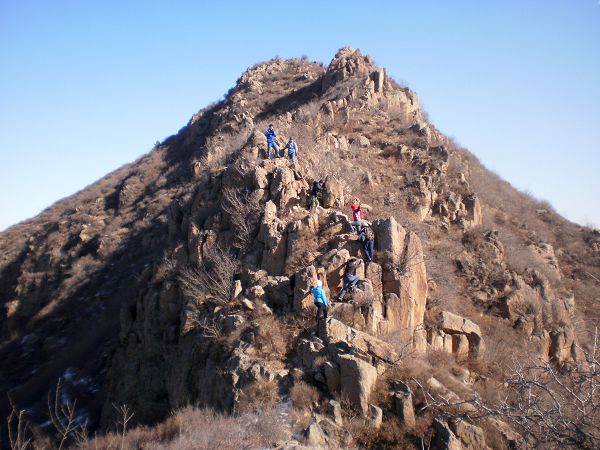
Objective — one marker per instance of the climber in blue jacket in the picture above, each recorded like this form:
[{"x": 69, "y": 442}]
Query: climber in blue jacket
[
  {"x": 272, "y": 141},
  {"x": 320, "y": 299}
]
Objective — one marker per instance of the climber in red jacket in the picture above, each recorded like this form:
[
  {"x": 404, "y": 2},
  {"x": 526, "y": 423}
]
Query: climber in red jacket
[{"x": 358, "y": 217}]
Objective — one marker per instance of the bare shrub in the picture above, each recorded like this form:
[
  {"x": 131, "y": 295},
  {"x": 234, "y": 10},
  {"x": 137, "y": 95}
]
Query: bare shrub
[
  {"x": 244, "y": 210},
  {"x": 192, "y": 428},
  {"x": 213, "y": 280},
  {"x": 303, "y": 395},
  {"x": 18, "y": 430},
  {"x": 270, "y": 340},
  {"x": 391, "y": 435},
  {"x": 64, "y": 418},
  {"x": 259, "y": 395},
  {"x": 550, "y": 408}
]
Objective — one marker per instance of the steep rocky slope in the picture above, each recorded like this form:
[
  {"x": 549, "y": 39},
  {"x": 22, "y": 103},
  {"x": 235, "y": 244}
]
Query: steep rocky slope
[{"x": 108, "y": 289}]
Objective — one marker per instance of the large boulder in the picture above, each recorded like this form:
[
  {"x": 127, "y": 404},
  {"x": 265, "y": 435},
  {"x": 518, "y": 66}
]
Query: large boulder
[
  {"x": 444, "y": 438},
  {"x": 333, "y": 194},
  {"x": 389, "y": 242},
  {"x": 466, "y": 335},
  {"x": 471, "y": 436},
  {"x": 305, "y": 279},
  {"x": 404, "y": 279},
  {"x": 337, "y": 333},
  {"x": 357, "y": 379}
]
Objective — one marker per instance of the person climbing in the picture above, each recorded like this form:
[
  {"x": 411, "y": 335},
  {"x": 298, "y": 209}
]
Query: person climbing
[
  {"x": 350, "y": 277},
  {"x": 292, "y": 149},
  {"x": 320, "y": 299},
  {"x": 358, "y": 217},
  {"x": 272, "y": 141},
  {"x": 367, "y": 236},
  {"x": 315, "y": 190}
]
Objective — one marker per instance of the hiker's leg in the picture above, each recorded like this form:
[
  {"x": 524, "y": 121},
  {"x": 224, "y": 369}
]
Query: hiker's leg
[
  {"x": 325, "y": 312},
  {"x": 369, "y": 249},
  {"x": 352, "y": 280},
  {"x": 277, "y": 151},
  {"x": 318, "y": 311},
  {"x": 344, "y": 289},
  {"x": 269, "y": 151}
]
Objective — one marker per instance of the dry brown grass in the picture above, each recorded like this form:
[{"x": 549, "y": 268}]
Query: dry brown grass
[
  {"x": 271, "y": 339},
  {"x": 193, "y": 429},
  {"x": 258, "y": 395},
  {"x": 303, "y": 395}
]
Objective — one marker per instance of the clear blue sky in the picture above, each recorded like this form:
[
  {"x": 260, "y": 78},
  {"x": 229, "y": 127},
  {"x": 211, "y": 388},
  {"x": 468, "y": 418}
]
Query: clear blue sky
[{"x": 86, "y": 86}]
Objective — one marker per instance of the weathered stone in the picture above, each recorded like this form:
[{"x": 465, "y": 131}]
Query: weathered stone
[
  {"x": 256, "y": 293},
  {"x": 332, "y": 376},
  {"x": 460, "y": 344},
  {"x": 305, "y": 279},
  {"x": 237, "y": 289},
  {"x": 334, "y": 409},
  {"x": 282, "y": 176},
  {"x": 309, "y": 351},
  {"x": 232, "y": 322},
  {"x": 261, "y": 180},
  {"x": 336, "y": 332},
  {"x": 357, "y": 379},
  {"x": 247, "y": 304},
  {"x": 404, "y": 409},
  {"x": 333, "y": 194},
  {"x": 314, "y": 435},
  {"x": 363, "y": 142},
  {"x": 375, "y": 416},
  {"x": 501, "y": 432},
  {"x": 471, "y": 436},
  {"x": 389, "y": 241},
  {"x": 444, "y": 438}
]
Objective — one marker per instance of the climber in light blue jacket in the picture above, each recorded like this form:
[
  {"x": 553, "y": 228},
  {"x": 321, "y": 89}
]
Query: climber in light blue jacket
[
  {"x": 320, "y": 299},
  {"x": 292, "y": 149}
]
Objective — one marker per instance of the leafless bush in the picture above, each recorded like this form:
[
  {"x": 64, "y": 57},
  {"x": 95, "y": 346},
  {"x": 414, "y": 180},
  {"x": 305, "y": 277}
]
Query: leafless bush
[
  {"x": 125, "y": 416},
  {"x": 244, "y": 211},
  {"x": 18, "y": 431},
  {"x": 303, "y": 395},
  {"x": 213, "y": 280},
  {"x": 549, "y": 408},
  {"x": 64, "y": 418},
  {"x": 270, "y": 339},
  {"x": 192, "y": 428},
  {"x": 259, "y": 395}
]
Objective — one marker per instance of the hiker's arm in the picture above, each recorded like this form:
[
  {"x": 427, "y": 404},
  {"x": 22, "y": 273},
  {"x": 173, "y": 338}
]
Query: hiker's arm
[{"x": 366, "y": 207}]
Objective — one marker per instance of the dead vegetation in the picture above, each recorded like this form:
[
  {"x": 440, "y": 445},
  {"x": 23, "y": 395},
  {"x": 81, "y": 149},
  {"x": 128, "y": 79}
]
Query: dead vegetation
[
  {"x": 213, "y": 280},
  {"x": 192, "y": 428}
]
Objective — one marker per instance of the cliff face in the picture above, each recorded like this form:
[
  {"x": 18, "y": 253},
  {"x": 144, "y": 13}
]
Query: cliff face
[{"x": 184, "y": 277}]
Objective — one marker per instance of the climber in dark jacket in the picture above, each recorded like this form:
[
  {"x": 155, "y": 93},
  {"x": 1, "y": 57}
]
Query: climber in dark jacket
[
  {"x": 271, "y": 141},
  {"x": 350, "y": 277},
  {"x": 316, "y": 189},
  {"x": 320, "y": 299}
]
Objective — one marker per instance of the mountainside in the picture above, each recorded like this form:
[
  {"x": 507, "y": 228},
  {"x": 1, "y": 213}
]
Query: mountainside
[{"x": 184, "y": 278}]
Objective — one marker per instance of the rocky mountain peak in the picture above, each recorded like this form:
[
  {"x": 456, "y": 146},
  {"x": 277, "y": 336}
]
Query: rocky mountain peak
[{"x": 193, "y": 268}]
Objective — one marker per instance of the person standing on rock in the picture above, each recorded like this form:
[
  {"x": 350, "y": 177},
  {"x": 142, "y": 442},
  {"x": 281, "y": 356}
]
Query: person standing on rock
[
  {"x": 367, "y": 236},
  {"x": 316, "y": 189},
  {"x": 292, "y": 149},
  {"x": 320, "y": 300},
  {"x": 350, "y": 277},
  {"x": 272, "y": 141}
]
